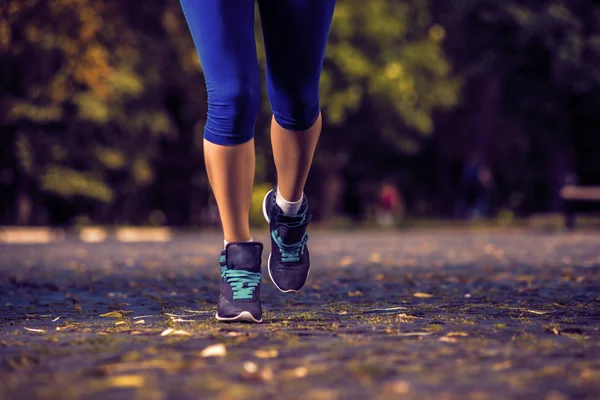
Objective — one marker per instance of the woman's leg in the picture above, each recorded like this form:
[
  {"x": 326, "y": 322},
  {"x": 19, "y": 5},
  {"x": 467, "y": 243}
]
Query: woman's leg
[
  {"x": 295, "y": 33},
  {"x": 223, "y": 32}
]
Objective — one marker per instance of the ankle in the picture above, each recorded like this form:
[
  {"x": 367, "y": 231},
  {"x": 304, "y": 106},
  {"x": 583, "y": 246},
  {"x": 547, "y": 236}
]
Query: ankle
[
  {"x": 225, "y": 242},
  {"x": 288, "y": 207}
]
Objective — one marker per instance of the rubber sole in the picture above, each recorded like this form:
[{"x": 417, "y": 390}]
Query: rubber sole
[
  {"x": 244, "y": 316},
  {"x": 264, "y": 209}
]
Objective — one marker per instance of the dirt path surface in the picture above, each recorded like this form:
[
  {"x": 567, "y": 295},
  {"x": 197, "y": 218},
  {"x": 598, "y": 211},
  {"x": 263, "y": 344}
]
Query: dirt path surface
[{"x": 416, "y": 315}]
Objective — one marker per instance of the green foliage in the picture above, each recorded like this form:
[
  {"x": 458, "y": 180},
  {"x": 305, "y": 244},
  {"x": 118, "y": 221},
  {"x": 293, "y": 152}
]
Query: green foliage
[
  {"x": 104, "y": 105},
  {"x": 83, "y": 105},
  {"x": 67, "y": 182},
  {"x": 389, "y": 54}
]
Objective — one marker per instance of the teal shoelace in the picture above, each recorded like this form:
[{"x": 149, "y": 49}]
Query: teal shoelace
[
  {"x": 290, "y": 252},
  {"x": 242, "y": 283}
]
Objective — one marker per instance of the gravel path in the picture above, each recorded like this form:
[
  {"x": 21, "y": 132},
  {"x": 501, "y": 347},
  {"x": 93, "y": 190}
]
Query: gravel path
[{"x": 453, "y": 314}]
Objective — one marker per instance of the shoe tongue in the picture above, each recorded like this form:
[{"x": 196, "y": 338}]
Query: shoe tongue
[
  {"x": 244, "y": 256},
  {"x": 291, "y": 234}
]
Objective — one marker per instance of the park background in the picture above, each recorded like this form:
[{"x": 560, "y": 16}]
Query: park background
[
  {"x": 104, "y": 103},
  {"x": 469, "y": 115}
]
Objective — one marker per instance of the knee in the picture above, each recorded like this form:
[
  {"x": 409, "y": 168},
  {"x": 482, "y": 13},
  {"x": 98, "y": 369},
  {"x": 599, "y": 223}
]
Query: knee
[
  {"x": 296, "y": 110},
  {"x": 232, "y": 111}
]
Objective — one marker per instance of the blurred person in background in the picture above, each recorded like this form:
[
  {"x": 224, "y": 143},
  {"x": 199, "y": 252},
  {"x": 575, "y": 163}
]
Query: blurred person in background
[
  {"x": 295, "y": 35},
  {"x": 390, "y": 205},
  {"x": 477, "y": 186}
]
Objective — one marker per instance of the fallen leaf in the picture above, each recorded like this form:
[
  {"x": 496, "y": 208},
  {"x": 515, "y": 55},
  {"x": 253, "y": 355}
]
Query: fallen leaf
[
  {"x": 271, "y": 353},
  {"x": 423, "y": 295},
  {"x": 448, "y": 339},
  {"x": 552, "y": 329},
  {"x": 180, "y": 332},
  {"x": 346, "y": 261},
  {"x": 355, "y": 293},
  {"x": 400, "y": 387},
  {"x": 266, "y": 374},
  {"x": 375, "y": 258},
  {"x": 454, "y": 334},
  {"x": 178, "y": 315},
  {"x": 140, "y": 321},
  {"x": 415, "y": 334},
  {"x": 35, "y": 330},
  {"x": 501, "y": 365},
  {"x": 167, "y": 332},
  {"x": 300, "y": 372},
  {"x": 214, "y": 350},
  {"x": 530, "y": 311},
  {"x": 62, "y": 328},
  {"x": 405, "y": 318},
  {"x": 112, "y": 314},
  {"x": 250, "y": 367},
  {"x": 120, "y": 322},
  {"x": 127, "y": 381},
  {"x": 198, "y": 312}
]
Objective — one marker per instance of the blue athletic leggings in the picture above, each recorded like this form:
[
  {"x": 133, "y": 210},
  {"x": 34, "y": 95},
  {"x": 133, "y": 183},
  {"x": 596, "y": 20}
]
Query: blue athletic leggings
[{"x": 295, "y": 34}]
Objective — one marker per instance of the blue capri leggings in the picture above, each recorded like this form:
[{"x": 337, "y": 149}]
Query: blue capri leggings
[{"x": 295, "y": 34}]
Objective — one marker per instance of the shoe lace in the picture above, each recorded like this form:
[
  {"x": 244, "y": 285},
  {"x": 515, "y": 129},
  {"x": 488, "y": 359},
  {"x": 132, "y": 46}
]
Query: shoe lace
[
  {"x": 242, "y": 283},
  {"x": 290, "y": 252}
]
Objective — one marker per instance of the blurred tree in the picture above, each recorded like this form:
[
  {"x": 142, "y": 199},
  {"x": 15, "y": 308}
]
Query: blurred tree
[
  {"x": 87, "y": 109},
  {"x": 385, "y": 75},
  {"x": 105, "y": 104},
  {"x": 533, "y": 100}
]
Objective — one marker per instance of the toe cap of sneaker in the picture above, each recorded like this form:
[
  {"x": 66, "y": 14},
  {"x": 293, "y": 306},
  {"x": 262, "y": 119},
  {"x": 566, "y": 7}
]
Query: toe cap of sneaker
[
  {"x": 289, "y": 279},
  {"x": 227, "y": 309}
]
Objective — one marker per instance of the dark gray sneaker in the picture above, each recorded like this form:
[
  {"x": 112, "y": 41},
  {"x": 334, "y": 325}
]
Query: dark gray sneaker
[
  {"x": 240, "y": 283},
  {"x": 289, "y": 261}
]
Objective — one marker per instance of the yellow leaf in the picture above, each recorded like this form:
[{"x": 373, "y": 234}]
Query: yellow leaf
[
  {"x": 300, "y": 372},
  {"x": 448, "y": 339},
  {"x": 250, "y": 367},
  {"x": 167, "y": 331},
  {"x": 375, "y": 258},
  {"x": 346, "y": 261},
  {"x": 180, "y": 332},
  {"x": 453, "y": 334},
  {"x": 214, "y": 350},
  {"x": 423, "y": 295},
  {"x": 112, "y": 314},
  {"x": 271, "y": 353},
  {"x": 501, "y": 365},
  {"x": 127, "y": 381}
]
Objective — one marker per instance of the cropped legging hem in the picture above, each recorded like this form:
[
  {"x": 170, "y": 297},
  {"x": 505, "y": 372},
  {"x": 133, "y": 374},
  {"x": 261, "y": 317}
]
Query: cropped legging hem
[
  {"x": 298, "y": 124},
  {"x": 227, "y": 140},
  {"x": 295, "y": 35}
]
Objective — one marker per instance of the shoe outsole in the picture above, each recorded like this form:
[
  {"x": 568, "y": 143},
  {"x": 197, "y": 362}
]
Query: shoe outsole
[
  {"x": 264, "y": 209},
  {"x": 244, "y": 316}
]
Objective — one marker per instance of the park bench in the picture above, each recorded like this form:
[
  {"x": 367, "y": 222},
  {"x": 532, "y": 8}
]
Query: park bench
[{"x": 575, "y": 197}]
